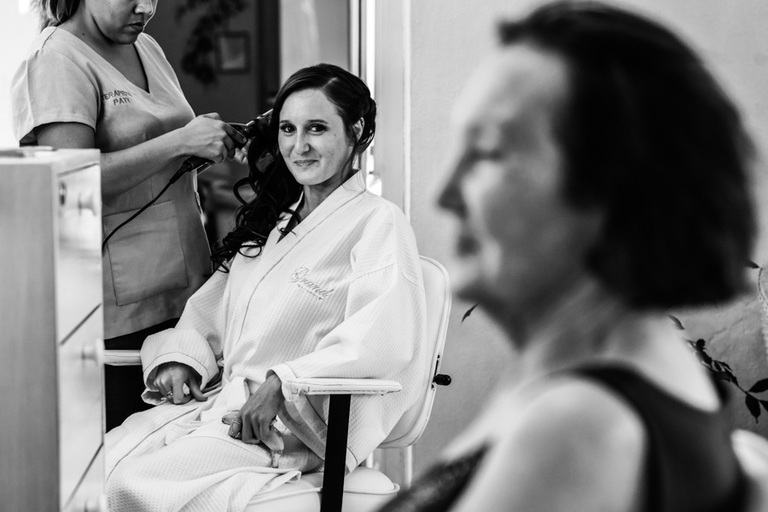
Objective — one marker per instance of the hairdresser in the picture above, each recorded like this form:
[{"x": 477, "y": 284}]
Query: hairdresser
[{"x": 94, "y": 79}]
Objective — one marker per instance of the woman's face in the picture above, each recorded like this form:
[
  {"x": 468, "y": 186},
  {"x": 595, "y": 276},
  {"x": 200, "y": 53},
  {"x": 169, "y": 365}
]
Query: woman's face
[
  {"x": 313, "y": 141},
  {"x": 120, "y": 21},
  {"x": 518, "y": 242}
]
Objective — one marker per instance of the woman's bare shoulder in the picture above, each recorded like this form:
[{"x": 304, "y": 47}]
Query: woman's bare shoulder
[{"x": 573, "y": 446}]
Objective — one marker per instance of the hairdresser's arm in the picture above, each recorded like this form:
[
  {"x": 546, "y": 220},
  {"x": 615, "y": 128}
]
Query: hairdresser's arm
[
  {"x": 574, "y": 448},
  {"x": 205, "y": 136}
]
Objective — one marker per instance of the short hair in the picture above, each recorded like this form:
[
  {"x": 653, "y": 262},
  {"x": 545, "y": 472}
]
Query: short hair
[
  {"x": 269, "y": 178},
  {"x": 650, "y": 139}
]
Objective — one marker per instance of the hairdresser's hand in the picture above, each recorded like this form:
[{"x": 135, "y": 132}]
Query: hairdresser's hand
[
  {"x": 241, "y": 154},
  {"x": 209, "y": 137},
  {"x": 254, "y": 423},
  {"x": 171, "y": 380}
]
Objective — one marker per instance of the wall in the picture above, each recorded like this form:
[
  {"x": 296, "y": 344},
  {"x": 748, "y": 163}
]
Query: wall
[
  {"x": 313, "y": 31},
  {"x": 233, "y": 96},
  {"x": 434, "y": 44},
  {"x": 17, "y": 29}
]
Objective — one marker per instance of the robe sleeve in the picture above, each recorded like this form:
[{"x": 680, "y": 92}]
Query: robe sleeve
[
  {"x": 195, "y": 341},
  {"x": 384, "y": 317}
]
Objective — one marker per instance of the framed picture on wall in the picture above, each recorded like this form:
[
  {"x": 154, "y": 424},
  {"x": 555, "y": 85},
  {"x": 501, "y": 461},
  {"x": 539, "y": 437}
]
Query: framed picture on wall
[{"x": 232, "y": 50}]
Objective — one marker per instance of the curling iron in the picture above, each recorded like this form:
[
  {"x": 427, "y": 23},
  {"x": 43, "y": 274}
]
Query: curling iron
[{"x": 249, "y": 130}]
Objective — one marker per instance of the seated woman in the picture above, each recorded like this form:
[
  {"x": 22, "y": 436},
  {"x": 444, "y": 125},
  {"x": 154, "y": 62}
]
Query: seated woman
[
  {"x": 601, "y": 178},
  {"x": 318, "y": 279}
]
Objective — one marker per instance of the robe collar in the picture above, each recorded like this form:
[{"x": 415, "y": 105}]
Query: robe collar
[
  {"x": 274, "y": 252},
  {"x": 351, "y": 188}
]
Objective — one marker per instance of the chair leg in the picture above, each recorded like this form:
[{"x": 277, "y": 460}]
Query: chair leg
[
  {"x": 407, "y": 466},
  {"x": 335, "y": 453}
]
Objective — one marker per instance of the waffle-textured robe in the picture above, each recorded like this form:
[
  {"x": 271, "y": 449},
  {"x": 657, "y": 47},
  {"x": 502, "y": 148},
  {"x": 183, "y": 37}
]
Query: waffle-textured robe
[{"x": 339, "y": 296}]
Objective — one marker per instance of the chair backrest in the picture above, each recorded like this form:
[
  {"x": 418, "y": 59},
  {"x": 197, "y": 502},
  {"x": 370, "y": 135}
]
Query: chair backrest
[
  {"x": 752, "y": 451},
  {"x": 762, "y": 294},
  {"x": 438, "y": 294}
]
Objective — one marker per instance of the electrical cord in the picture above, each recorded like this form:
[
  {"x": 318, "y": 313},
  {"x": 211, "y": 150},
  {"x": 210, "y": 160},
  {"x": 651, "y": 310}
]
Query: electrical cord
[
  {"x": 195, "y": 163},
  {"x": 139, "y": 212}
]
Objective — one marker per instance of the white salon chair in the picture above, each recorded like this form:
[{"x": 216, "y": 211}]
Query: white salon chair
[
  {"x": 752, "y": 452},
  {"x": 364, "y": 489}
]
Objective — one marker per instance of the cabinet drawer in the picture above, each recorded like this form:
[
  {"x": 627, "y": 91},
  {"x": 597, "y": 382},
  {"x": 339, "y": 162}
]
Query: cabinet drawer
[
  {"x": 80, "y": 369},
  {"x": 78, "y": 262},
  {"x": 89, "y": 495}
]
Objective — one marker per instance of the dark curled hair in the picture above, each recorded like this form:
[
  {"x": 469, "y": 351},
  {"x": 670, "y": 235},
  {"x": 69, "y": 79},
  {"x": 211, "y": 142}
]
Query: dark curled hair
[
  {"x": 269, "y": 178},
  {"x": 651, "y": 140}
]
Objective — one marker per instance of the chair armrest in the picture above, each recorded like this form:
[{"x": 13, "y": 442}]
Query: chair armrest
[
  {"x": 122, "y": 357},
  {"x": 336, "y": 386},
  {"x": 340, "y": 391}
]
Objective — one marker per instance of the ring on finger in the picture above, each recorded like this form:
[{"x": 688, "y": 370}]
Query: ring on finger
[{"x": 237, "y": 434}]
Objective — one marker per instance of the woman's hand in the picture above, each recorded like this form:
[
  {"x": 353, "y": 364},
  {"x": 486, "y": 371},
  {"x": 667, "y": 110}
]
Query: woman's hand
[
  {"x": 254, "y": 422},
  {"x": 206, "y": 136},
  {"x": 241, "y": 154},
  {"x": 171, "y": 378},
  {"x": 209, "y": 137}
]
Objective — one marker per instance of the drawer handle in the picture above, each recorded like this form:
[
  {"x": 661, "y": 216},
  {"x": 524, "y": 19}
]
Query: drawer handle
[
  {"x": 94, "y": 352},
  {"x": 86, "y": 201},
  {"x": 62, "y": 193},
  {"x": 97, "y": 505}
]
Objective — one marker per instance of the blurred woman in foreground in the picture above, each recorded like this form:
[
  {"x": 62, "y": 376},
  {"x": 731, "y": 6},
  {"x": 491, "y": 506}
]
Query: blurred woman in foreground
[{"x": 600, "y": 180}]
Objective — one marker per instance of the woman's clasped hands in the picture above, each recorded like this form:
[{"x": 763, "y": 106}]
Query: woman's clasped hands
[{"x": 255, "y": 422}]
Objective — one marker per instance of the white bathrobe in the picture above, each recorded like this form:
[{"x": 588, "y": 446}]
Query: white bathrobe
[{"x": 339, "y": 296}]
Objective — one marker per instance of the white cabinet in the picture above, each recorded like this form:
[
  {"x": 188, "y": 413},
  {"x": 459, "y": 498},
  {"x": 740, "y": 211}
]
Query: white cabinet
[{"x": 51, "y": 332}]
